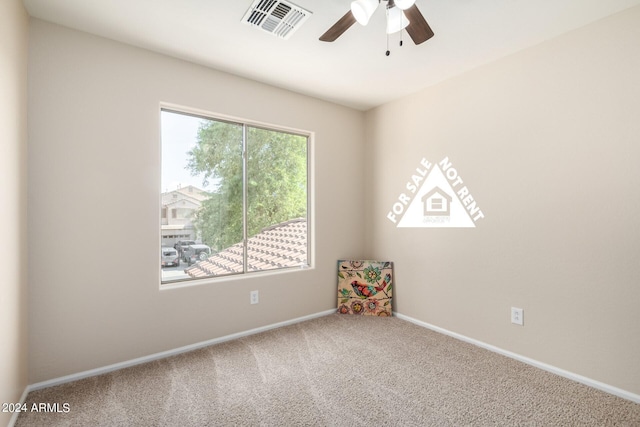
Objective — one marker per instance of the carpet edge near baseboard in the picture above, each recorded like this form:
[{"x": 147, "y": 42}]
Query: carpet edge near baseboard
[
  {"x": 14, "y": 417},
  {"x": 168, "y": 353},
  {"x": 156, "y": 356},
  {"x": 541, "y": 365}
]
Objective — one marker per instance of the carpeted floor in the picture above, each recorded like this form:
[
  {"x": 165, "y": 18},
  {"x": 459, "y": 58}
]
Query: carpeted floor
[{"x": 333, "y": 371}]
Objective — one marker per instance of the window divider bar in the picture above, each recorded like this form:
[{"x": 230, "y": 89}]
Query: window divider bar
[{"x": 245, "y": 238}]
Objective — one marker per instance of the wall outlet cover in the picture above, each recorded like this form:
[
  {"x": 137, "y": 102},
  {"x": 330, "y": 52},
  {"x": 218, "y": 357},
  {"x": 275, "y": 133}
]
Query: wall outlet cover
[
  {"x": 254, "y": 297},
  {"x": 517, "y": 316}
]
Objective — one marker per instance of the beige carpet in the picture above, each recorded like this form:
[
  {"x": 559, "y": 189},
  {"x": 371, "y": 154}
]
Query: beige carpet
[{"x": 333, "y": 371}]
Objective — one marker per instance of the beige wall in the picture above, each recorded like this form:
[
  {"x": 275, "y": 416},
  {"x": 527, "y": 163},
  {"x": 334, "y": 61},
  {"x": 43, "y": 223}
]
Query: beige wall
[
  {"x": 548, "y": 142},
  {"x": 14, "y": 25},
  {"x": 94, "y": 173}
]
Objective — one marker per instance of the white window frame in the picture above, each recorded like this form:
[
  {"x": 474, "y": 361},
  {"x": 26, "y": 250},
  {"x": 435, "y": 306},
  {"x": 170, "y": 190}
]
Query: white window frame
[{"x": 187, "y": 282}]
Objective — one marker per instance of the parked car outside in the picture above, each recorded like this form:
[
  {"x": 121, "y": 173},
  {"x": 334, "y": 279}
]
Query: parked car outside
[
  {"x": 195, "y": 253},
  {"x": 169, "y": 257},
  {"x": 181, "y": 245}
]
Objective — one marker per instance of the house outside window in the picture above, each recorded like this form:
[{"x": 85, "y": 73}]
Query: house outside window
[{"x": 241, "y": 195}]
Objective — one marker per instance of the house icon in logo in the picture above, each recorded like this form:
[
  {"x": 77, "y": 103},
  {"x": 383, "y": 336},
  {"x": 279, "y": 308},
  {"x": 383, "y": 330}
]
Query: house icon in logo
[{"x": 437, "y": 203}]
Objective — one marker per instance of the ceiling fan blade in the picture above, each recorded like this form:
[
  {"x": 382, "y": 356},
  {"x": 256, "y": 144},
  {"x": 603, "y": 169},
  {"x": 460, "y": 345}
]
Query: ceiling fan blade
[
  {"x": 418, "y": 28},
  {"x": 339, "y": 27}
]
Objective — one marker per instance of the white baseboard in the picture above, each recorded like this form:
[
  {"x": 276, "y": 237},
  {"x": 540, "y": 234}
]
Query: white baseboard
[
  {"x": 168, "y": 353},
  {"x": 561, "y": 372},
  {"x": 14, "y": 417}
]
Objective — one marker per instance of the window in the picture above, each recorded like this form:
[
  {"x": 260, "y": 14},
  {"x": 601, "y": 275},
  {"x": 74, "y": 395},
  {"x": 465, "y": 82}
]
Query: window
[{"x": 238, "y": 190}]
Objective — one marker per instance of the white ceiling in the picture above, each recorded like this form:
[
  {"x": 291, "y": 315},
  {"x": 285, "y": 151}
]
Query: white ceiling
[{"x": 352, "y": 71}]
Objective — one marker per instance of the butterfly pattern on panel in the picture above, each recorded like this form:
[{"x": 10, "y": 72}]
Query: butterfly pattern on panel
[{"x": 365, "y": 287}]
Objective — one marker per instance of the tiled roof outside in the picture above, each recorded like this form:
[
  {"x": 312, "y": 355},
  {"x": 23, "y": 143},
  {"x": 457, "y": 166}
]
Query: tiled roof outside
[{"x": 278, "y": 246}]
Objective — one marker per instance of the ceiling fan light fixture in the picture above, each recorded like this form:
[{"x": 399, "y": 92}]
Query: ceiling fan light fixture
[
  {"x": 396, "y": 20},
  {"x": 363, "y": 9},
  {"x": 404, "y": 4}
]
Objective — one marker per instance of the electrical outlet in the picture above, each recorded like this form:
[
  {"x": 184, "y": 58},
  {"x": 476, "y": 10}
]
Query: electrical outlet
[
  {"x": 253, "y": 297},
  {"x": 517, "y": 316}
]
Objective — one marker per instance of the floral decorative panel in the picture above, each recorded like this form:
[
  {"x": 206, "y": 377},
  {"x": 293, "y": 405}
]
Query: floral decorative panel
[{"x": 365, "y": 287}]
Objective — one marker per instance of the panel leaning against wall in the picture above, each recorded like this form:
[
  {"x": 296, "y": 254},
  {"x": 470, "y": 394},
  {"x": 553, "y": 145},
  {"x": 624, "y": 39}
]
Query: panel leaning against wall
[{"x": 365, "y": 287}]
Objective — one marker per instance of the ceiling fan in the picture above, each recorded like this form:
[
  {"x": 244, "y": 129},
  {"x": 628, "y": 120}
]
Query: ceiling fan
[{"x": 401, "y": 14}]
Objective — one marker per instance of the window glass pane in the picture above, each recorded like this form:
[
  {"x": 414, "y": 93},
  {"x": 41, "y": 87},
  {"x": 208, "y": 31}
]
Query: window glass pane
[
  {"x": 276, "y": 199},
  {"x": 202, "y": 188}
]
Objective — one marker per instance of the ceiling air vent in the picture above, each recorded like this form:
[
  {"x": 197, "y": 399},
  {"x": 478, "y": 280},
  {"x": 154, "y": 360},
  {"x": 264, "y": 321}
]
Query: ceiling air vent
[{"x": 276, "y": 17}]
